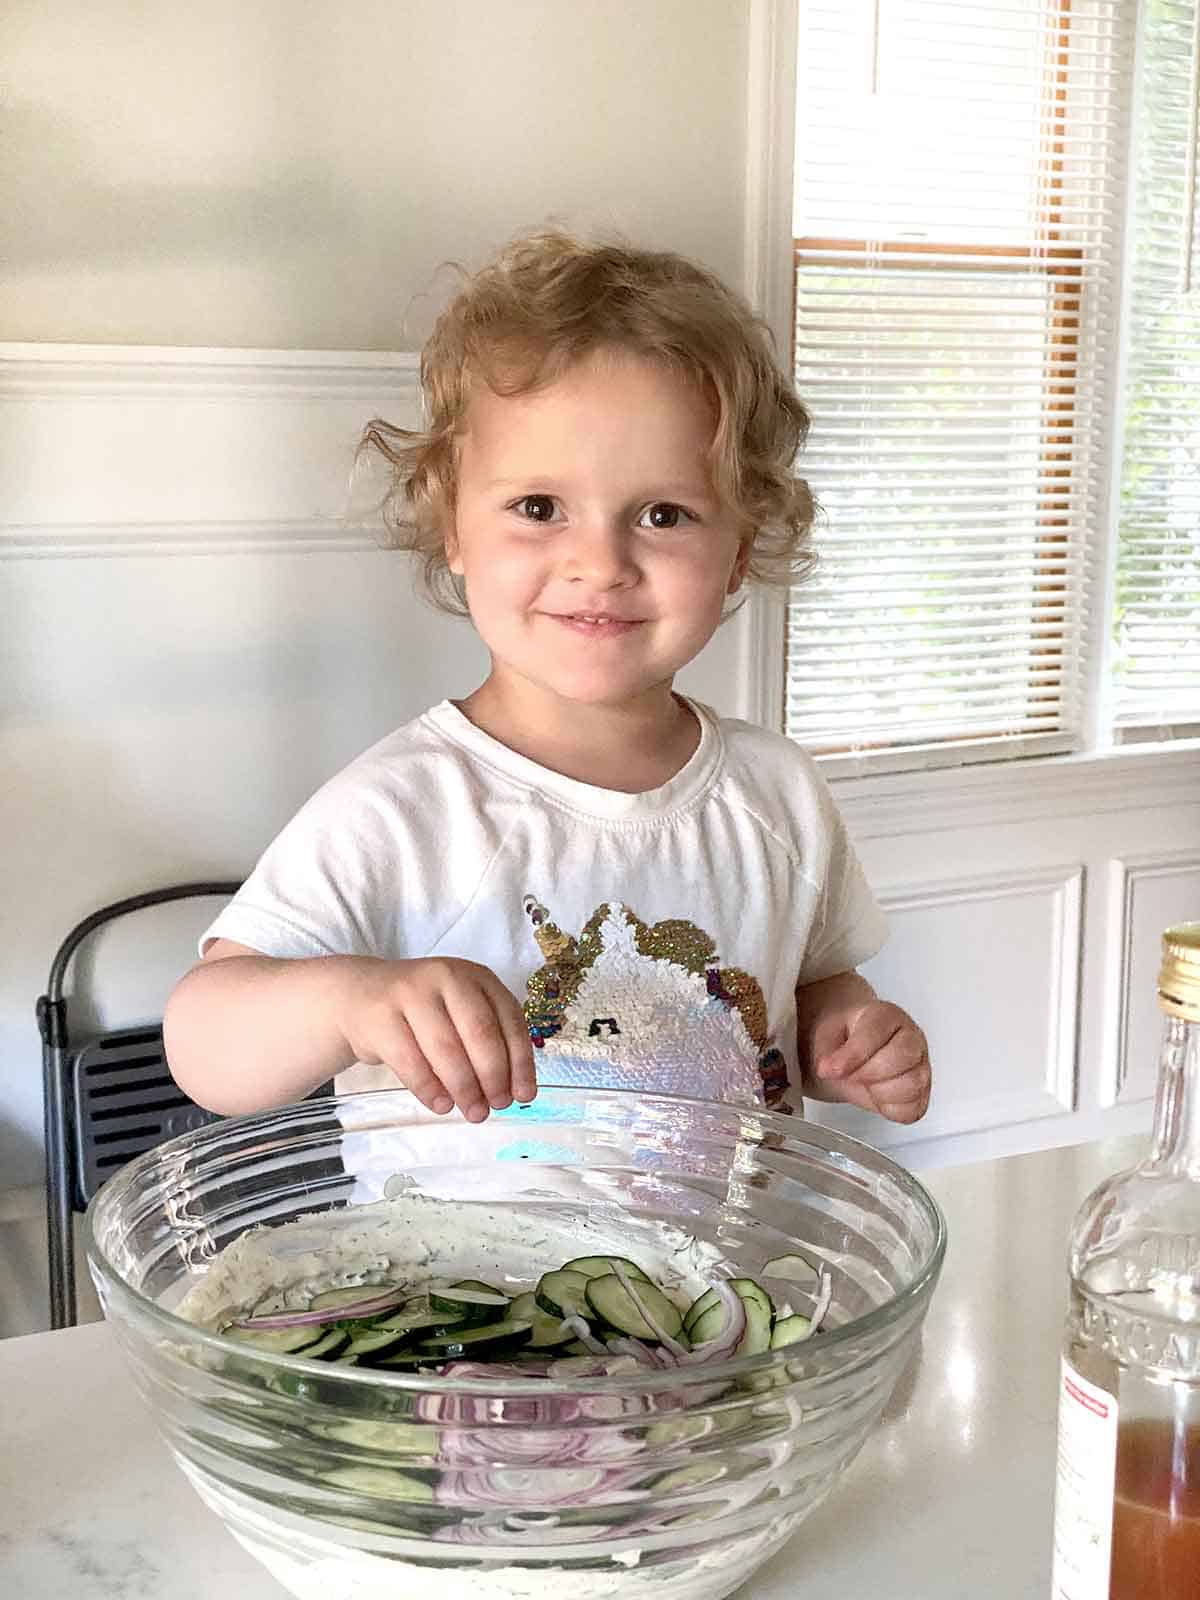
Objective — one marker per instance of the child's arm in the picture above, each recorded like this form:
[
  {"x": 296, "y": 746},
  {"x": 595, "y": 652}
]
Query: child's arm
[
  {"x": 244, "y": 1030},
  {"x": 861, "y": 1050}
]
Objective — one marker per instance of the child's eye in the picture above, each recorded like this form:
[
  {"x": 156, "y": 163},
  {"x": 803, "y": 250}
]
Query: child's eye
[
  {"x": 664, "y": 514},
  {"x": 536, "y": 507}
]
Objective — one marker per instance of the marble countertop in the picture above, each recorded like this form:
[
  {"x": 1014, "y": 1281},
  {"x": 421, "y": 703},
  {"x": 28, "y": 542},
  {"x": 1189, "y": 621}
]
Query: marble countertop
[{"x": 951, "y": 1497}]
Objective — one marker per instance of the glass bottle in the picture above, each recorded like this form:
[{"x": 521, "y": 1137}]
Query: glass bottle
[{"x": 1127, "y": 1504}]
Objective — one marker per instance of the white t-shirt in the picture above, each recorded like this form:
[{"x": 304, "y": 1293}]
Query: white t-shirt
[{"x": 655, "y": 940}]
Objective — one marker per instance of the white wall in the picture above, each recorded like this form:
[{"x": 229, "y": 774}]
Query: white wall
[{"x": 290, "y": 173}]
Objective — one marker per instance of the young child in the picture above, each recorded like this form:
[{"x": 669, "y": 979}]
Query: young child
[{"x": 574, "y": 875}]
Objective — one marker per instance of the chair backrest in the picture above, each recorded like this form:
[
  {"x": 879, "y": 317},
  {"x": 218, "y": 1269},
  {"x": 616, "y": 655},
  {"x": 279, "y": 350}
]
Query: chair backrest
[{"x": 123, "y": 1101}]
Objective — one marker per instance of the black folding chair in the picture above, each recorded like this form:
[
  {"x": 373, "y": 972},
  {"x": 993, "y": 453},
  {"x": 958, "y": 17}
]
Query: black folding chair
[{"x": 105, "y": 1099}]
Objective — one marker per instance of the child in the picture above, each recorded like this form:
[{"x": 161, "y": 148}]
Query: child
[{"x": 574, "y": 875}]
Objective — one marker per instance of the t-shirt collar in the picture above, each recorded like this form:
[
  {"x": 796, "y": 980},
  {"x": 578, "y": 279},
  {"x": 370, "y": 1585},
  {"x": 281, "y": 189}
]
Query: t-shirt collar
[{"x": 692, "y": 780}]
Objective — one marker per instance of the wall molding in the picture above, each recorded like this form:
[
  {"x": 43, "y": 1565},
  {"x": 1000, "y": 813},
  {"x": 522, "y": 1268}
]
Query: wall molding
[
  {"x": 1063, "y": 883},
  {"x": 1126, "y": 872},
  {"x": 103, "y": 371},
  {"x": 282, "y": 537},
  {"x": 154, "y": 434}
]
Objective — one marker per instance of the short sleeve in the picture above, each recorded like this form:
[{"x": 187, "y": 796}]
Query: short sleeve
[
  {"x": 848, "y": 926},
  {"x": 316, "y": 889}
]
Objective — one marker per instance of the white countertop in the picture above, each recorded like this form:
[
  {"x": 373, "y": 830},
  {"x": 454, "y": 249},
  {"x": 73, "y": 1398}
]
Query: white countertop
[{"x": 951, "y": 1497}]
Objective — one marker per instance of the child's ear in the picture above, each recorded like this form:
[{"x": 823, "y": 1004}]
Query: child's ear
[
  {"x": 741, "y": 561},
  {"x": 453, "y": 555}
]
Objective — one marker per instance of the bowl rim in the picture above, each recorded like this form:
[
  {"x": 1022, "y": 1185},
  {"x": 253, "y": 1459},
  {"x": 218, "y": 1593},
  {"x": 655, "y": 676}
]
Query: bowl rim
[{"x": 765, "y": 1121}]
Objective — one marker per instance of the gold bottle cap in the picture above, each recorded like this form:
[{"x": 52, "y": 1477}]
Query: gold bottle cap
[{"x": 1179, "y": 977}]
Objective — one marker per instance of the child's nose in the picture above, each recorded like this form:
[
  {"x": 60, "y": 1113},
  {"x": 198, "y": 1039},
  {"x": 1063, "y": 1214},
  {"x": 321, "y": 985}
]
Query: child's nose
[{"x": 599, "y": 551}]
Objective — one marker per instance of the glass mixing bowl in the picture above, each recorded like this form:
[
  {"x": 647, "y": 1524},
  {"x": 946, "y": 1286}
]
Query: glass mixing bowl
[{"x": 357, "y": 1484}]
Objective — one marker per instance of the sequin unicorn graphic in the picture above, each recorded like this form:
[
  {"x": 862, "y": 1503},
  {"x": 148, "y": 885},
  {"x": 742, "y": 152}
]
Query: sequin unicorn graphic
[{"x": 634, "y": 1005}]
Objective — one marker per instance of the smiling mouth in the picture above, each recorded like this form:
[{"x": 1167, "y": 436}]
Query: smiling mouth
[{"x": 596, "y": 623}]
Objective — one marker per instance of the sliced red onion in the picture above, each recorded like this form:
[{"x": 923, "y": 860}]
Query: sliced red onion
[
  {"x": 626, "y": 1345},
  {"x": 578, "y": 1326},
  {"x": 303, "y": 1319},
  {"x": 647, "y": 1316},
  {"x": 824, "y": 1301}
]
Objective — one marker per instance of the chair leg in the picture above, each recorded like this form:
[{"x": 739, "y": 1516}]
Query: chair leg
[{"x": 59, "y": 1230}]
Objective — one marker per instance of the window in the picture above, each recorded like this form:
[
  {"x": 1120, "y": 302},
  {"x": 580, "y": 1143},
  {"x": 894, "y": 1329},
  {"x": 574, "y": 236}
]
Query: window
[{"x": 960, "y": 197}]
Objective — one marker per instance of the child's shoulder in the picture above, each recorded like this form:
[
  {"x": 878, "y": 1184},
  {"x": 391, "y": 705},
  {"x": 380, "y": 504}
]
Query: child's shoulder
[{"x": 772, "y": 776}]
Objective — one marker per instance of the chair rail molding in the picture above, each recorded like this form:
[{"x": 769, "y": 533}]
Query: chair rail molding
[{"x": 172, "y": 457}]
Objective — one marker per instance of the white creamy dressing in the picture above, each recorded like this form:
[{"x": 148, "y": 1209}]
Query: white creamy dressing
[{"x": 415, "y": 1239}]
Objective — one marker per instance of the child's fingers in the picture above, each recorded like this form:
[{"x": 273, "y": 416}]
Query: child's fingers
[
  {"x": 473, "y": 1013},
  {"x": 403, "y": 1055},
  {"x": 439, "y": 1042},
  {"x": 903, "y": 1052},
  {"x": 521, "y": 1078},
  {"x": 906, "y": 1099},
  {"x": 871, "y": 1031}
]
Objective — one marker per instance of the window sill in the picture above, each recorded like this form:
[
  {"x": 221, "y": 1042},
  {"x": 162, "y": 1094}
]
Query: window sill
[{"x": 1125, "y": 779}]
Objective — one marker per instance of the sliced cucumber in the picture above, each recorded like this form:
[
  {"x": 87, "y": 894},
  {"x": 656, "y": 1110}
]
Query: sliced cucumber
[
  {"x": 469, "y": 1301},
  {"x": 495, "y": 1336},
  {"x": 329, "y": 1347},
  {"x": 615, "y": 1306},
  {"x": 546, "y": 1330},
  {"x": 601, "y": 1266},
  {"x": 372, "y": 1344},
  {"x": 563, "y": 1294},
  {"x": 790, "y": 1330},
  {"x": 705, "y": 1319},
  {"x": 745, "y": 1288},
  {"x": 278, "y": 1341},
  {"x": 421, "y": 1323},
  {"x": 792, "y": 1269},
  {"x": 335, "y": 1299},
  {"x": 380, "y": 1483}
]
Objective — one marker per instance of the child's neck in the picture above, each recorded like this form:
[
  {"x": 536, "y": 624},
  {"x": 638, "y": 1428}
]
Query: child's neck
[{"x": 632, "y": 748}]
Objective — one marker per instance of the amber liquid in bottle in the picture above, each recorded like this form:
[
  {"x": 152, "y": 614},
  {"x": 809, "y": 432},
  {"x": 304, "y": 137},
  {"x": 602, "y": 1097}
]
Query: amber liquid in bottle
[
  {"x": 1127, "y": 1505},
  {"x": 1156, "y": 1512}
]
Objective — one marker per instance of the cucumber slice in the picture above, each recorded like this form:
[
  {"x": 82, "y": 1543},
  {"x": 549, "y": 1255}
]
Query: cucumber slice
[
  {"x": 601, "y": 1266},
  {"x": 746, "y": 1288},
  {"x": 563, "y": 1294},
  {"x": 706, "y": 1317},
  {"x": 278, "y": 1341},
  {"x": 790, "y": 1330},
  {"x": 614, "y": 1305},
  {"x": 380, "y": 1483},
  {"x": 372, "y": 1344},
  {"x": 335, "y": 1299},
  {"x": 329, "y": 1347},
  {"x": 469, "y": 1301},
  {"x": 546, "y": 1331},
  {"x": 422, "y": 1323},
  {"x": 793, "y": 1269},
  {"x": 495, "y": 1336}
]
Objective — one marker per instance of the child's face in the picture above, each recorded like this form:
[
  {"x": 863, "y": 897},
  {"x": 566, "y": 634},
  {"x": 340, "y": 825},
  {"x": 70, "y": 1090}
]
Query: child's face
[{"x": 595, "y": 551}]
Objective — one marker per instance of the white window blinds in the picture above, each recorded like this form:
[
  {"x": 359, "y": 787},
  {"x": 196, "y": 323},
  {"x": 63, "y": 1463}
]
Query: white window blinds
[
  {"x": 959, "y": 167},
  {"x": 1156, "y": 668}
]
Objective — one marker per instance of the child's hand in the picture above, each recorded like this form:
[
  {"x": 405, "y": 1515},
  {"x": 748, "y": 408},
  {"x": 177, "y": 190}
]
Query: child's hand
[
  {"x": 448, "y": 1029},
  {"x": 881, "y": 1062},
  {"x": 863, "y": 1051}
]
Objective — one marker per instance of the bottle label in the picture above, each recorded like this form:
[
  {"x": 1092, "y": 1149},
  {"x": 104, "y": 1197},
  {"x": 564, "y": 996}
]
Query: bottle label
[{"x": 1083, "y": 1499}]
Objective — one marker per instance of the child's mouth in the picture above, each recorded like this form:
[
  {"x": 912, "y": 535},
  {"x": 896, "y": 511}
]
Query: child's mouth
[{"x": 596, "y": 625}]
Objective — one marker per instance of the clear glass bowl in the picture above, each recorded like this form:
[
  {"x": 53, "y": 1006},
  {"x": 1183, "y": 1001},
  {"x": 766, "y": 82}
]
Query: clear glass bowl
[{"x": 351, "y": 1484}]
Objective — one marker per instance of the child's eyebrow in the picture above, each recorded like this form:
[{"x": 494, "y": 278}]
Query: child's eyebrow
[{"x": 695, "y": 490}]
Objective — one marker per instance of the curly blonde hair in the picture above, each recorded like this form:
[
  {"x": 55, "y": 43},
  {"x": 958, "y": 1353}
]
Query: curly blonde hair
[{"x": 548, "y": 301}]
